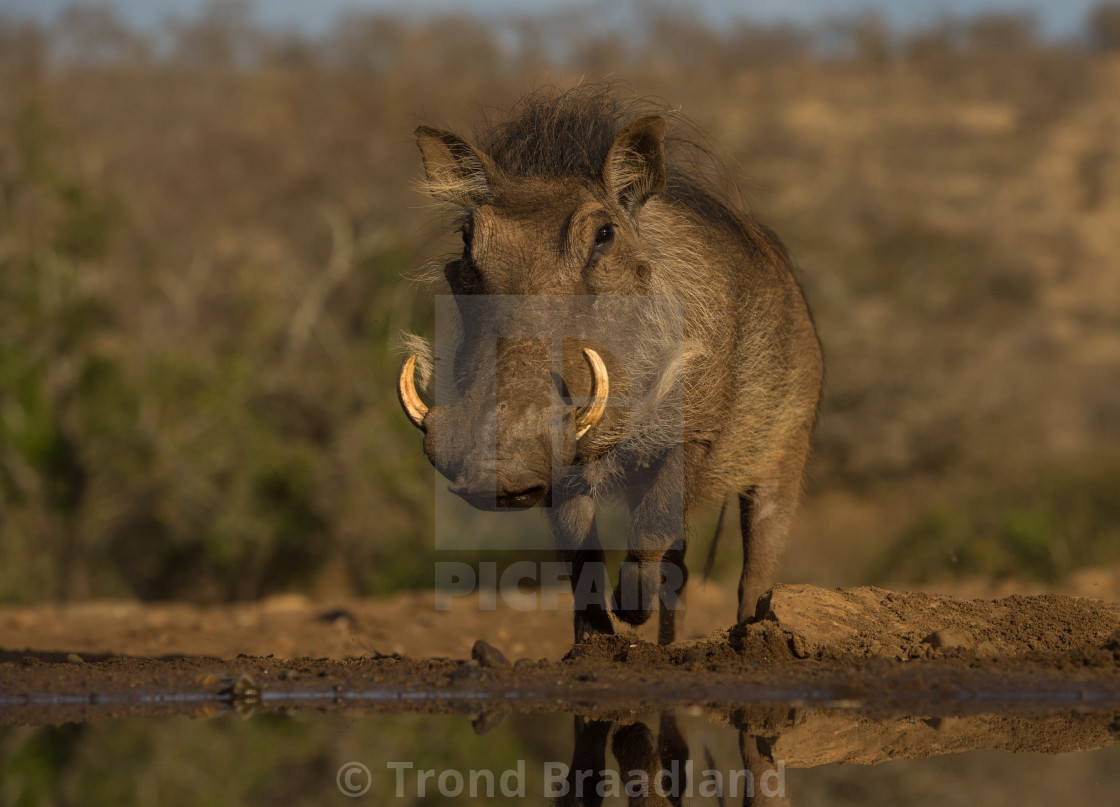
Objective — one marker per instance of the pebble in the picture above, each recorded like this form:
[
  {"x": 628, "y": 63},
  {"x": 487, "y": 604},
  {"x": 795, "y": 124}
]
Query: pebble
[
  {"x": 245, "y": 689},
  {"x": 487, "y": 721},
  {"x": 488, "y": 656},
  {"x": 949, "y": 639},
  {"x": 694, "y": 656}
]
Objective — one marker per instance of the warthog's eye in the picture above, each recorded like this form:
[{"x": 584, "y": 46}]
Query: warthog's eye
[{"x": 604, "y": 235}]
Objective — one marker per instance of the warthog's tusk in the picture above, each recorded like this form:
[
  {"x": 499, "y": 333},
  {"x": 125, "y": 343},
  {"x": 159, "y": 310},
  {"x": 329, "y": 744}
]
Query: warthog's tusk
[
  {"x": 587, "y": 417},
  {"x": 406, "y": 391}
]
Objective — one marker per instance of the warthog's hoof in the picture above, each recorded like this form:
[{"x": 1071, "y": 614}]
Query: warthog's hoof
[{"x": 592, "y": 622}]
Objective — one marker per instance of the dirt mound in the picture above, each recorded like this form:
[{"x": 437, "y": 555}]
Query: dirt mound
[
  {"x": 870, "y": 621},
  {"x": 845, "y": 625},
  {"x": 877, "y": 649}
]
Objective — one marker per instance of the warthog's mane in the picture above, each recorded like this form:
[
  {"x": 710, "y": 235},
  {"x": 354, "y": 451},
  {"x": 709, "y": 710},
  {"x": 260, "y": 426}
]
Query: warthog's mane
[{"x": 558, "y": 133}]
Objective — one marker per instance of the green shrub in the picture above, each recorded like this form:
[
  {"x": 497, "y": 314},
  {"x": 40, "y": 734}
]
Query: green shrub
[{"x": 1042, "y": 528}]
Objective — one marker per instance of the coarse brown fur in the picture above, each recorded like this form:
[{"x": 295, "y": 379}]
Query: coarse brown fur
[{"x": 582, "y": 195}]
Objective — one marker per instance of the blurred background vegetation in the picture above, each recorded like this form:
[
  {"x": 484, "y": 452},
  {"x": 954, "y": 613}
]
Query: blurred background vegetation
[{"x": 206, "y": 235}]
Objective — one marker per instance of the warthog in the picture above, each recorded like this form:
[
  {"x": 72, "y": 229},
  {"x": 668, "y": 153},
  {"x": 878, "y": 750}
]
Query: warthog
[{"x": 690, "y": 370}]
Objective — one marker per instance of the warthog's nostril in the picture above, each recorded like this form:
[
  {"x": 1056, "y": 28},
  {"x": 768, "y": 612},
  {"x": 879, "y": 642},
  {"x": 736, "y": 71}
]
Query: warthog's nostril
[
  {"x": 490, "y": 499},
  {"x": 530, "y": 497}
]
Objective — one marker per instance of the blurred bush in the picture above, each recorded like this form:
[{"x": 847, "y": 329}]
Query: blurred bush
[
  {"x": 280, "y": 758},
  {"x": 1041, "y": 526},
  {"x": 206, "y": 237},
  {"x": 1104, "y": 26}
]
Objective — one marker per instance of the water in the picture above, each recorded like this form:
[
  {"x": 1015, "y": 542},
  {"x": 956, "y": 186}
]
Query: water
[{"x": 761, "y": 753}]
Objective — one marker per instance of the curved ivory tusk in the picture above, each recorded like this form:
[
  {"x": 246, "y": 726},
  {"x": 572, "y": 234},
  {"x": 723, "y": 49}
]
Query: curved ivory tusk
[
  {"x": 406, "y": 391},
  {"x": 587, "y": 417}
]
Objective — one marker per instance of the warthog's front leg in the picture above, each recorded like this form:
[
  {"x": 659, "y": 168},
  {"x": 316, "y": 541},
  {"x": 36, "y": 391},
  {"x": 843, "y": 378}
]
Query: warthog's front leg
[
  {"x": 577, "y": 544},
  {"x": 765, "y": 514},
  {"x": 589, "y": 764},
  {"x": 656, "y": 769},
  {"x": 654, "y": 572}
]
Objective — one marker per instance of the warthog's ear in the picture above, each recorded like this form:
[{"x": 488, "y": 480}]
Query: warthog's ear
[
  {"x": 635, "y": 167},
  {"x": 455, "y": 171}
]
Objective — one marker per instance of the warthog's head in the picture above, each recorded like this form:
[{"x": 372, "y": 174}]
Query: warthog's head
[{"x": 541, "y": 226}]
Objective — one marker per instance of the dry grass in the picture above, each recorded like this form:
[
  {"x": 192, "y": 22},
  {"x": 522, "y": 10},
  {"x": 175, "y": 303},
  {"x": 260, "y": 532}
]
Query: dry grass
[{"x": 204, "y": 257}]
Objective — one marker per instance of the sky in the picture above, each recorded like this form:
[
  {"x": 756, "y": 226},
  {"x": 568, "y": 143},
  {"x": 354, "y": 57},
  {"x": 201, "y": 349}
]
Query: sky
[{"x": 1062, "y": 18}]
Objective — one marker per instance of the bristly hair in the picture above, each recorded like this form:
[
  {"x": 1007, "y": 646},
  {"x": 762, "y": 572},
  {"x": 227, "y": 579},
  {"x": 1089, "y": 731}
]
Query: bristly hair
[{"x": 555, "y": 132}]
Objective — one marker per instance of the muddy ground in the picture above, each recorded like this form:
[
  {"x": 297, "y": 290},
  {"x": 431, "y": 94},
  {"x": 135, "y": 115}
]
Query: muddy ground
[{"x": 898, "y": 660}]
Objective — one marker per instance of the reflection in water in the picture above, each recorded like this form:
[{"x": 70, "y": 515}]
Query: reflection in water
[
  {"x": 655, "y": 771},
  {"x": 762, "y": 754}
]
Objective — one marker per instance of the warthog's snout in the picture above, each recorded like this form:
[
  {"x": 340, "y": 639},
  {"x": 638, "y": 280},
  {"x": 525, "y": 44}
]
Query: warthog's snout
[
  {"x": 494, "y": 457},
  {"x": 499, "y": 454}
]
